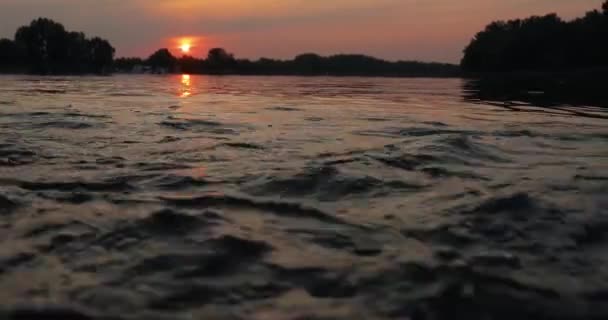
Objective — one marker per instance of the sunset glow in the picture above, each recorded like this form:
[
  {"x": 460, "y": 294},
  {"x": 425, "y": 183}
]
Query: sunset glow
[
  {"x": 185, "y": 47},
  {"x": 191, "y": 45},
  {"x": 284, "y": 28}
]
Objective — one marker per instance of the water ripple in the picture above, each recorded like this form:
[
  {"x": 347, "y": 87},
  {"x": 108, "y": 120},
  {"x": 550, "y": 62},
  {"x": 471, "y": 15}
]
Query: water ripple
[{"x": 302, "y": 198}]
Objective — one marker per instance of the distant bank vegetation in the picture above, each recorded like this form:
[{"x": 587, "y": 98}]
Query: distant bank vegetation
[
  {"x": 539, "y": 43},
  {"x": 219, "y": 61},
  {"x": 46, "y": 47}
]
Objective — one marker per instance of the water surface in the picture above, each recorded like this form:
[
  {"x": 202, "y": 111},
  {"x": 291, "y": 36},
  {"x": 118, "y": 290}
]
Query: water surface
[{"x": 146, "y": 197}]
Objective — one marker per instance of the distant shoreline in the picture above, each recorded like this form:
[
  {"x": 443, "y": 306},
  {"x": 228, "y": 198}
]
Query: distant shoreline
[
  {"x": 582, "y": 72},
  {"x": 239, "y": 75},
  {"x": 295, "y": 75}
]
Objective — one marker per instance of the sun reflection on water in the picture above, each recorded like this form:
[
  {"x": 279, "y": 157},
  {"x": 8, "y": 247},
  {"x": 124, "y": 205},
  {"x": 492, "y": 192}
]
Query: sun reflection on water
[{"x": 186, "y": 89}]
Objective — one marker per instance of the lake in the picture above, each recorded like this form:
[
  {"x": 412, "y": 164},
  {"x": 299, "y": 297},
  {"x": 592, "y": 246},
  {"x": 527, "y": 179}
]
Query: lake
[{"x": 170, "y": 197}]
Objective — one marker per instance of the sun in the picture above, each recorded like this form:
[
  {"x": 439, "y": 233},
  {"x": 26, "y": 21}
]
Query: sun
[{"x": 185, "y": 47}]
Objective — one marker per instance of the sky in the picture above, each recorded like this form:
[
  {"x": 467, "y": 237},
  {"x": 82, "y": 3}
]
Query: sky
[{"x": 426, "y": 30}]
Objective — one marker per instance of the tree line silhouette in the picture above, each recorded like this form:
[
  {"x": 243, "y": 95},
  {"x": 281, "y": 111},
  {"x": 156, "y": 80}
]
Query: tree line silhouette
[
  {"x": 540, "y": 43},
  {"x": 220, "y": 61},
  {"x": 46, "y": 47}
]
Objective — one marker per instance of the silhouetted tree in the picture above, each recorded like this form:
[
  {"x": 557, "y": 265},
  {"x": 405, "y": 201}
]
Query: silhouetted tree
[
  {"x": 309, "y": 63},
  {"x": 10, "y": 57},
  {"x": 77, "y": 52},
  {"x": 47, "y": 48},
  {"x": 45, "y": 45},
  {"x": 162, "y": 59},
  {"x": 127, "y": 64},
  {"x": 533, "y": 43},
  {"x": 101, "y": 55},
  {"x": 219, "y": 56},
  {"x": 588, "y": 44},
  {"x": 220, "y": 61},
  {"x": 356, "y": 64},
  {"x": 605, "y": 7},
  {"x": 189, "y": 64},
  {"x": 267, "y": 66},
  {"x": 8, "y": 49},
  {"x": 540, "y": 43}
]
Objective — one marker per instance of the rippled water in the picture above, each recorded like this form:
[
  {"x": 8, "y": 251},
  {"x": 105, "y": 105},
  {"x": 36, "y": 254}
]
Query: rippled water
[{"x": 144, "y": 197}]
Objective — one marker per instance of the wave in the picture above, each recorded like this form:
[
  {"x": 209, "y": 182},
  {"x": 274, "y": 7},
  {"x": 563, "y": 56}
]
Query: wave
[
  {"x": 44, "y": 91},
  {"x": 326, "y": 183},
  {"x": 72, "y": 125},
  {"x": 161, "y": 166},
  {"x": 112, "y": 185},
  {"x": 7, "y": 205},
  {"x": 12, "y": 155},
  {"x": 439, "y": 172},
  {"x": 464, "y": 149},
  {"x": 406, "y": 161},
  {"x": 412, "y": 132},
  {"x": 243, "y": 145},
  {"x": 169, "y": 221},
  {"x": 175, "y": 182},
  {"x": 284, "y": 109},
  {"x": 74, "y": 197},
  {"x": 48, "y": 311},
  {"x": 292, "y": 209},
  {"x": 519, "y": 202},
  {"x": 237, "y": 207},
  {"x": 201, "y": 126}
]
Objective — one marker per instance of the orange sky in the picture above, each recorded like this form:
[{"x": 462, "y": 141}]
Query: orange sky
[{"x": 393, "y": 29}]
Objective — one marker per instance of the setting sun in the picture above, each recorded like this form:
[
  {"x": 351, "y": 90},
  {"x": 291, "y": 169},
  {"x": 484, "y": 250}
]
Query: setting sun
[
  {"x": 185, "y": 47},
  {"x": 186, "y": 44}
]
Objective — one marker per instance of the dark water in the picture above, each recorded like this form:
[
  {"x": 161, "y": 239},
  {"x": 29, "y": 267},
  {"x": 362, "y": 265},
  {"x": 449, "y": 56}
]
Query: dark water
[{"x": 141, "y": 197}]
